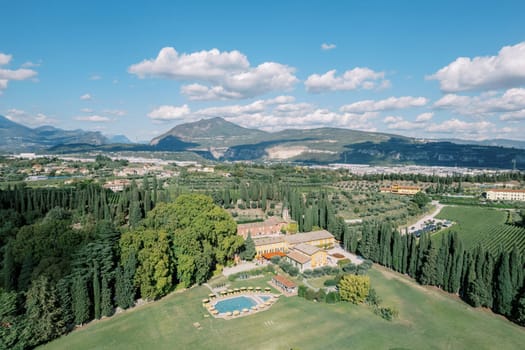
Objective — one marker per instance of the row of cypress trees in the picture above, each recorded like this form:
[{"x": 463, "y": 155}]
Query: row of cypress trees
[{"x": 477, "y": 276}]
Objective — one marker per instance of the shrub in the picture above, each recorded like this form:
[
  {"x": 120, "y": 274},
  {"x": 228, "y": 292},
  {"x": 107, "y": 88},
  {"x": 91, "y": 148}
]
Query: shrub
[
  {"x": 354, "y": 288},
  {"x": 275, "y": 259},
  {"x": 332, "y": 298},
  {"x": 330, "y": 283},
  {"x": 388, "y": 313},
  {"x": 373, "y": 299}
]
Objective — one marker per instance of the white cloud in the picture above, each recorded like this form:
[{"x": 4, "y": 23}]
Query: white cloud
[
  {"x": 406, "y": 125},
  {"x": 29, "y": 119},
  {"x": 166, "y": 113},
  {"x": 399, "y": 123},
  {"x": 326, "y": 47},
  {"x": 7, "y": 75},
  {"x": 30, "y": 64},
  {"x": 95, "y": 77},
  {"x": 392, "y": 119},
  {"x": 17, "y": 74},
  {"x": 115, "y": 112},
  {"x": 357, "y": 78},
  {"x": 456, "y": 126},
  {"x": 487, "y": 104},
  {"x": 504, "y": 70},
  {"x": 390, "y": 103},
  {"x": 93, "y": 119},
  {"x": 424, "y": 117},
  {"x": 5, "y": 59},
  {"x": 228, "y": 75},
  {"x": 86, "y": 97},
  {"x": 272, "y": 114},
  {"x": 86, "y": 110},
  {"x": 513, "y": 116}
]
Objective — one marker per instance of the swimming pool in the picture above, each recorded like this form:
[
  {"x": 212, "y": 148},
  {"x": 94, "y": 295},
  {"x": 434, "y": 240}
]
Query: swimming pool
[{"x": 235, "y": 303}]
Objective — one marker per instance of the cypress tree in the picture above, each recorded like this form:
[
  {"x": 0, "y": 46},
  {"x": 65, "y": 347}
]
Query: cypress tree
[
  {"x": 65, "y": 301},
  {"x": 503, "y": 286},
  {"x": 412, "y": 257},
  {"x": 427, "y": 275},
  {"x": 9, "y": 269},
  {"x": 96, "y": 290},
  {"x": 106, "y": 306},
  {"x": 81, "y": 300},
  {"x": 43, "y": 313},
  {"x": 487, "y": 275},
  {"x": 516, "y": 271}
]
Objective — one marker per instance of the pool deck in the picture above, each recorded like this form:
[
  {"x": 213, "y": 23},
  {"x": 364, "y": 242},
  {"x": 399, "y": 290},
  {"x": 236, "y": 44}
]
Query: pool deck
[{"x": 261, "y": 305}]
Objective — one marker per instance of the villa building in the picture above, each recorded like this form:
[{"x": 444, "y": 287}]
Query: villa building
[
  {"x": 322, "y": 239},
  {"x": 271, "y": 226},
  {"x": 305, "y": 256},
  {"x": 265, "y": 245},
  {"x": 304, "y": 250},
  {"x": 284, "y": 284},
  {"x": 399, "y": 189},
  {"x": 505, "y": 195}
]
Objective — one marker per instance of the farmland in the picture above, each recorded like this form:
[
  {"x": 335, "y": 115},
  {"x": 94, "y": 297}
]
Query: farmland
[{"x": 482, "y": 226}]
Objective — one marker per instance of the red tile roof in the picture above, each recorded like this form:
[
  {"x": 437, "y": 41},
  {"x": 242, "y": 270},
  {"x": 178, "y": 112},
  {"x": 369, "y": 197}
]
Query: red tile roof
[{"x": 284, "y": 281}]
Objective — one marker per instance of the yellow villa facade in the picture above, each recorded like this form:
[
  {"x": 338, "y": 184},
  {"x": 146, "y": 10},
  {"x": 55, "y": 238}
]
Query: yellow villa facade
[{"x": 304, "y": 250}]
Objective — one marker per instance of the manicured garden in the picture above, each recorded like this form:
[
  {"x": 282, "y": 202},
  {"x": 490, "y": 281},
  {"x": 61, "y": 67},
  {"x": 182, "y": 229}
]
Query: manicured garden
[{"x": 428, "y": 319}]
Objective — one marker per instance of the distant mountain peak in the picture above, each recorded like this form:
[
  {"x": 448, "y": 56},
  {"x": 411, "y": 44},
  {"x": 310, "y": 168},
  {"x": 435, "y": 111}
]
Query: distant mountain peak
[{"x": 212, "y": 129}]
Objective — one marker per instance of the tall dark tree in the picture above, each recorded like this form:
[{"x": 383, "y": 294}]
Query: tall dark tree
[
  {"x": 43, "y": 312},
  {"x": 503, "y": 291},
  {"x": 81, "y": 302},
  {"x": 248, "y": 252}
]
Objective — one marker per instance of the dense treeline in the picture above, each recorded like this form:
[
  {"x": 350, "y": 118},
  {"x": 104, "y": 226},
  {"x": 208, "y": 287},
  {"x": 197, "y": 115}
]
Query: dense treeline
[
  {"x": 478, "y": 277},
  {"x": 447, "y": 180},
  {"x": 62, "y": 261}
]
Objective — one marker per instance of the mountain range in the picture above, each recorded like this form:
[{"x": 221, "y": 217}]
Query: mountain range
[
  {"x": 221, "y": 140},
  {"x": 19, "y": 138}
]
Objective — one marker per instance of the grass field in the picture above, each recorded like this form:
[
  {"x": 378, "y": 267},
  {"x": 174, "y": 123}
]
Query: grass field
[
  {"x": 428, "y": 319},
  {"x": 483, "y": 226}
]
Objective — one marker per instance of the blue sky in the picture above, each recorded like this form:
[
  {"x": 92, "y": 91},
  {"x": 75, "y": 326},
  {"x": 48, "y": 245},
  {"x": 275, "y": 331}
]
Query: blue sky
[{"x": 426, "y": 69}]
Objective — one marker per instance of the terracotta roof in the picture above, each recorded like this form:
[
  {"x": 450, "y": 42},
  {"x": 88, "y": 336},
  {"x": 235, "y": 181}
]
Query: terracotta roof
[
  {"x": 268, "y": 256},
  {"x": 306, "y": 249},
  {"x": 284, "y": 281},
  {"x": 308, "y": 237},
  {"x": 267, "y": 240},
  {"x": 505, "y": 190},
  {"x": 299, "y": 257}
]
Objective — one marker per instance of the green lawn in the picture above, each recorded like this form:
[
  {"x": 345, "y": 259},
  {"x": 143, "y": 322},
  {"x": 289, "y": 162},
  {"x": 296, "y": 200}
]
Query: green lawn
[
  {"x": 428, "y": 319},
  {"x": 483, "y": 226}
]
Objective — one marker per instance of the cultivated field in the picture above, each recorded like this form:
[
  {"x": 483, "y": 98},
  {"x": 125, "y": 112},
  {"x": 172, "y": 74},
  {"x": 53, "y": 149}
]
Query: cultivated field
[
  {"x": 483, "y": 226},
  {"x": 429, "y": 319}
]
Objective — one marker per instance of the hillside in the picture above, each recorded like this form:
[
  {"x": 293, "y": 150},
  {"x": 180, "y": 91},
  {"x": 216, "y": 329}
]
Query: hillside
[
  {"x": 222, "y": 140},
  {"x": 214, "y": 132},
  {"x": 19, "y": 138}
]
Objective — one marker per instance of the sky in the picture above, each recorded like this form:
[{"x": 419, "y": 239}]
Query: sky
[{"x": 427, "y": 69}]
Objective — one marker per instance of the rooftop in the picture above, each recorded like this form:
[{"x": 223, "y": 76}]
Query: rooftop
[
  {"x": 267, "y": 240},
  {"x": 284, "y": 281},
  {"x": 308, "y": 237},
  {"x": 299, "y": 257},
  {"x": 505, "y": 190},
  {"x": 306, "y": 249}
]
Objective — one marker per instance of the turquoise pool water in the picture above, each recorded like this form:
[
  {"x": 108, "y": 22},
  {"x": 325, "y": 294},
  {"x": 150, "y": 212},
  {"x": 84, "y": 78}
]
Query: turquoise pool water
[{"x": 236, "y": 303}]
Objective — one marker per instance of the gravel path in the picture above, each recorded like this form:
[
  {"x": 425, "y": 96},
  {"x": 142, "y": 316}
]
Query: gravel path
[{"x": 421, "y": 223}]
